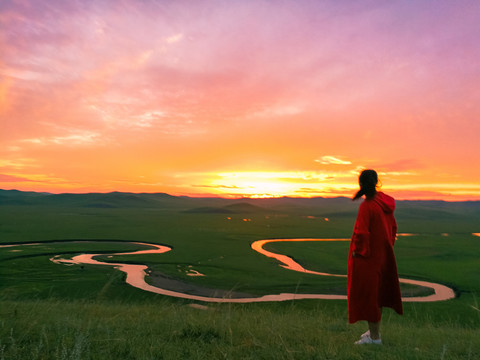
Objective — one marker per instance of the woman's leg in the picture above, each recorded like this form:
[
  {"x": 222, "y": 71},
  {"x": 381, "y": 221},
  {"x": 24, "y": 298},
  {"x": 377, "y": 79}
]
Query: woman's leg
[{"x": 374, "y": 328}]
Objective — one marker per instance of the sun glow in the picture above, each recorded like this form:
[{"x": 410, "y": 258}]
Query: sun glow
[
  {"x": 265, "y": 184},
  {"x": 254, "y": 184}
]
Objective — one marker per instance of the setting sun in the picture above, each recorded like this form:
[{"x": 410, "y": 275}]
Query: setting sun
[{"x": 267, "y": 184}]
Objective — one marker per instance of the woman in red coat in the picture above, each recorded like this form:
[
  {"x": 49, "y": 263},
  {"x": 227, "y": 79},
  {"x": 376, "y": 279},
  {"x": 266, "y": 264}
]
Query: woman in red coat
[{"x": 372, "y": 271}]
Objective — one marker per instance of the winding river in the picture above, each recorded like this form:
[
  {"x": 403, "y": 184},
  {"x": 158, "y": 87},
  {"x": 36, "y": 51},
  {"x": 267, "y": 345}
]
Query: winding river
[{"x": 135, "y": 275}]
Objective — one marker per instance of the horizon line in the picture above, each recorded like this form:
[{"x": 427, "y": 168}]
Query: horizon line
[{"x": 228, "y": 197}]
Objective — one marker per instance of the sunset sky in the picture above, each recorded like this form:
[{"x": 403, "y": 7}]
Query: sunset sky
[{"x": 240, "y": 97}]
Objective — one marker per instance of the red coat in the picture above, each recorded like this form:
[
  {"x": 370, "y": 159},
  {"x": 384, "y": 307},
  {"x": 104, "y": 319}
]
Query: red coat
[{"x": 372, "y": 281}]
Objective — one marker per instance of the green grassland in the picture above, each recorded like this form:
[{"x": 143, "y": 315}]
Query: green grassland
[{"x": 53, "y": 311}]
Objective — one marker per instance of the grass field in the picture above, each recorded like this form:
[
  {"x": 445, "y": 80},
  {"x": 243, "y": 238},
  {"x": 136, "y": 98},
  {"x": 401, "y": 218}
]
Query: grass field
[{"x": 52, "y": 311}]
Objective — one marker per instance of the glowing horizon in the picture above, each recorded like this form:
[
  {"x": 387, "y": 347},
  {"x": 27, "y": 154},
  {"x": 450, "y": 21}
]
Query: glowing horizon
[{"x": 240, "y": 98}]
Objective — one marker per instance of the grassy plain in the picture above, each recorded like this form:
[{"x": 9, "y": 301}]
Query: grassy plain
[{"x": 52, "y": 311}]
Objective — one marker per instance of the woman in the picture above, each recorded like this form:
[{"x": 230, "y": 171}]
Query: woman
[{"x": 372, "y": 271}]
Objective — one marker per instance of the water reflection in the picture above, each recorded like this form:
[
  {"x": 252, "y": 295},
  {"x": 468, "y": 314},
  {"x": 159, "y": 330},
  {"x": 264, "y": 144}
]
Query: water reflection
[
  {"x": 288, "y": 262},
  {"x": 441, "y": 292}
]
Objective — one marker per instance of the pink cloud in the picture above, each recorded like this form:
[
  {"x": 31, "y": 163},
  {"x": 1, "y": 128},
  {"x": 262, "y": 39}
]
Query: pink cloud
[
  {"x": 11, "y": 178},
  {"x": 401, "y": 165}
]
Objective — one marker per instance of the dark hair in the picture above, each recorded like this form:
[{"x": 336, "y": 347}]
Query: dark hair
[{"x": 368, "y": 180}]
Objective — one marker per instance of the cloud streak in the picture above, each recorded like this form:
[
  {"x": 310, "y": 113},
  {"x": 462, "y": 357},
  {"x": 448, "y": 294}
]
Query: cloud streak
[{"x": 327, "y": 160}]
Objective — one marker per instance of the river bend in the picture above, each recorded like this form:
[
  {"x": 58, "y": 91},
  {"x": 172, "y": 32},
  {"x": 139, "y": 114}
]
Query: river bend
[{"x": 136, "y": 274}]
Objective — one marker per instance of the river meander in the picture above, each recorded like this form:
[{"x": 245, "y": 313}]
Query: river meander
[{"x": 136, "y": 275}]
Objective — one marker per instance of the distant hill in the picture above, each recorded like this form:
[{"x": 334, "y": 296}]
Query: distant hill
[
  {"x": 209, "y": 210},
  {"x": 235, "y": 208},
  {"x": 16, "y": 193},
  {"x": 16, "y": 197},
  {"x": 245, "y": 208},
  {"x": 93, "y": 200},
  {"x": 326, "y": 207},
  {"x": 423, "y": 209}
]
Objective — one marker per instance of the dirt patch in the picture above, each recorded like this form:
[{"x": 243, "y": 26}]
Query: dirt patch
[{"x": 162, "y": 281}]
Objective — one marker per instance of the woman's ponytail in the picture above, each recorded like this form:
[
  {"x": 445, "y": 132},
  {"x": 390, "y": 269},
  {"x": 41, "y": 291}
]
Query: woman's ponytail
[
  {"x": 359, "y": 194},
  {"x": 368, "y": 180}
]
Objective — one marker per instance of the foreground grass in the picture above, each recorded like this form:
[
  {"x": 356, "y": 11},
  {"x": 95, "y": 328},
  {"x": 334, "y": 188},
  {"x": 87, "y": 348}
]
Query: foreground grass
[{"x": 162, "y": 329}]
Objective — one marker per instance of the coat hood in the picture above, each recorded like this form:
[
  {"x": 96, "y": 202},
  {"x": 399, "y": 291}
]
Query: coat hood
[{"x": 386, "y": 202}]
